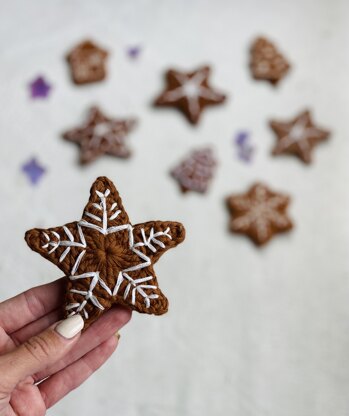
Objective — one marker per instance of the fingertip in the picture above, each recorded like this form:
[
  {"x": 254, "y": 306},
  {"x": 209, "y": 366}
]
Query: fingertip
[
  {"x": 110, "y": 322},
  {"x": 125, "y": 314},
  {"x": 119, "y": 316},
  {"x": 70, "y": 327},
  {"x": 109, "y": 346}
]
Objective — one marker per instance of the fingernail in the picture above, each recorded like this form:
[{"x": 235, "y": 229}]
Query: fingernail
[
  {"x": 70, "y": 326},
  {"x": 117, "y": 335}
]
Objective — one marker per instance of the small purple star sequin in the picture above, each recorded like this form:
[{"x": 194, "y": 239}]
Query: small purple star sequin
[
  {"x": 133, "y": 52},
  {"x": 241, "y": 138},
  {"x": 39, "y": 88},
  {"x": 33, "y": 170},
  {"x": 244, "y": 148}
]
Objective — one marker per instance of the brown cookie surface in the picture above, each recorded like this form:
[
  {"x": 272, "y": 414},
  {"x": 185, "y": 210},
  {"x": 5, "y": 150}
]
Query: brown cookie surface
[
  {"x": 267, "y": 63},
  {"x": 107, "y": 260},
  {"x": 260, "y": 213},
  {"x": 100, "y": 135},
  {"x": 298, "y": 136},
  {"x": 189, "y": 92},
  {"x": 87, "y": 63}
]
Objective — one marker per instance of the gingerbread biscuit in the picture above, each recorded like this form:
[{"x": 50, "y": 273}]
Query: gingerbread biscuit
[
  {"x": 298, "y": 137},
  {"x": 259, "y": 213},
  {"x": 105, "y": 259},
  {"x": 87, "y": 63},
  {"x": 189, "y": 92},
  {"x": 267, "y": 63},
  {"x": 196, "y": 171},
  {"x": 99, "y": 135}
]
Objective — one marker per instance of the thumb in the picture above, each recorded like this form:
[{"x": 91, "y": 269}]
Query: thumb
[{"x": 40, "y": 351}]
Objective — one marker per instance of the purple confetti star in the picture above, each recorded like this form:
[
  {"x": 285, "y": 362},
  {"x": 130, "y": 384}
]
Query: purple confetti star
[
  {"x": 39, "y": 88},
  {"x": 33, "y": 170},
  {"x": 133, "y": 51},
  {"x": 244, "y": 149},
  {"x": 241, "y": 138}
]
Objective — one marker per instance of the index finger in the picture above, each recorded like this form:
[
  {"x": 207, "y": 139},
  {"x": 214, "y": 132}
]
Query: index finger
[{"x": 30, "y": 305}]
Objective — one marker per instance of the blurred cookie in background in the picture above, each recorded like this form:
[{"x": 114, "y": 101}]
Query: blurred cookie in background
[
  {"x": 87, "y": 63},
  {"x": 99, "y": 135},
  {"x": 260, "y": 213},
  {"x": 189, "y": 92},
  {"x": 298, "y": 136},
  {"x": 195, "y": 173},
  {"x": 266, "y": 62}
]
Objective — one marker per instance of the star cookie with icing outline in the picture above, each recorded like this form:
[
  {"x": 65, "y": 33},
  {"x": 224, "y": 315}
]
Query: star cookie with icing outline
[
  {"x": 298, "y": 136},
  {"x": 260, "y": 213},
  {"x": 190, "y": 92},
  {"x": 100, "y": 135},
  {"x": 106, "y": 259}
]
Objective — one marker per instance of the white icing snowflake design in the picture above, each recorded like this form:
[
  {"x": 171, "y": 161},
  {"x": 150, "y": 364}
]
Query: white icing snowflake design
[{"x": 69, "y": 245}]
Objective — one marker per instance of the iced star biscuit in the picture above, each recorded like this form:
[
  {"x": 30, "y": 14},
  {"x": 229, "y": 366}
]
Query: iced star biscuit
[
  {"x": 87, "y": 63},
  {"x": 106, "y": 259},
  {"x": 298, "y": 136},
  {"x": 190, "y": 92},
  {"x": 196, "y": 171},
  {"x": 100, "y": 135},
  {"x": 259, "y": 213},
  {"x": 267, "y": 63}
]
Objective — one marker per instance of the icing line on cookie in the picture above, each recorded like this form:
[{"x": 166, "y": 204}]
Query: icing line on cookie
[{"x": 137, "y": 285}]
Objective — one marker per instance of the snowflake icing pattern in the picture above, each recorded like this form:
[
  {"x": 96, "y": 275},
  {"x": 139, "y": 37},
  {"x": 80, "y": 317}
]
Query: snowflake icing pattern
[{"x": 106, "y": 259}]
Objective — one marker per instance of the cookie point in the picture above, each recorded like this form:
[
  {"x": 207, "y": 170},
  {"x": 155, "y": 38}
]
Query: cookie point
[
  {"x": 103, "y": 180},
  {"x": 181, "y": 232},
  {"x": 228, "y": 201},
  {"x": 29, "y": 235},
  {"x": 162, "y": 306}
]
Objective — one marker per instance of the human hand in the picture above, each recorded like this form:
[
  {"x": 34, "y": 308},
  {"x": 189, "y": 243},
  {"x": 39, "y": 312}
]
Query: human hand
[{"x": 42, "y": 361}]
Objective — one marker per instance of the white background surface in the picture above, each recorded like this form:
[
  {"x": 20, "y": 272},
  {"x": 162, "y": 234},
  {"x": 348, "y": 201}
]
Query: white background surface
[{"x": 249, "y": 333}]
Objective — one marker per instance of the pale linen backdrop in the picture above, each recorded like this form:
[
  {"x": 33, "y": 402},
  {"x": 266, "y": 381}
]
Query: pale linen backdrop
[{"x": 249, "y": 332}]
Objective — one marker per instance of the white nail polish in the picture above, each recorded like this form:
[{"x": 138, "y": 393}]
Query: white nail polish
[{"x": 70, "y": 326}]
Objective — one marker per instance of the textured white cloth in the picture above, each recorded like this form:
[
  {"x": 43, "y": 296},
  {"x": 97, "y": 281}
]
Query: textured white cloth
[{"x": 250, "y": 332}]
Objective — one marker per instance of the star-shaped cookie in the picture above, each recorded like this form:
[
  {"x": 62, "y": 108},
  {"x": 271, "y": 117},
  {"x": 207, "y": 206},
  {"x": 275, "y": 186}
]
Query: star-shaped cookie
[
  {"x": 100, "y": 135},
  {"x": 259, "y": 213},
  {"x": 190, "y": 92},
  {"x": 298, "y": 136},
  {"x": 105, "y": 259}
]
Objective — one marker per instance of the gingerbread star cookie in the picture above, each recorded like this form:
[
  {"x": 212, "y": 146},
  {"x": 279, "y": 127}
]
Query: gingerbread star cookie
[
  {"x": 267, "y": 63},
  {"x": 196, "y": 171},
  {"x": 190, "y": 92},
  {"x": 87, "y": 63},
  {"x": 106, "y": 259},
  {"x": 100, "y": 135},
  {"x": 259, "y": 213},
  {"x": 298, "y": 136}
]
